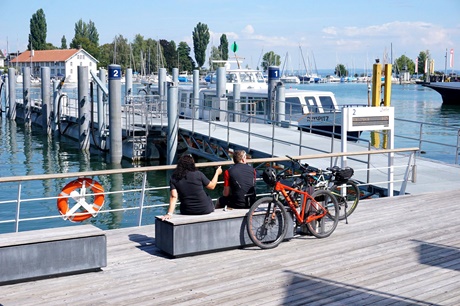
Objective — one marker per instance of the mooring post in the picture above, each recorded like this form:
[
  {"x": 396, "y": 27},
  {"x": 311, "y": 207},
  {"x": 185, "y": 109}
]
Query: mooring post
[
  {"x": 175, "y": 75},
  {"x": 281, "y": 103},
  {"x": 196, "y": 95},
  {"x": 46, "y": 100},
  {"x": 273, "y": 79},
  {"x": 173, "y": 123},
  {"x": 11, "y": 114},
  {"x": 129, "y": 82},
  {"x": 237, "y": 102},
  {"x": 84, "y": 108},
  {"x": 100, "y": 109},
  {"x": 26, "y": 95},
  {"x": 220, "y": 101},
  {"x": 162, "y": 84},
  {"x": 116, "y": 145}
]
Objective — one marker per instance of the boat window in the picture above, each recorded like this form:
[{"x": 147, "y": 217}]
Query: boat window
[
  {"x": 231, "y": 78},
  {"x": 260, "y": 77},
  {"x": 293, "y": 106},
  {"x": 245, "y": 77},
  {"x": 312, "y": 105},
  {"x": 327, "y": 103}
]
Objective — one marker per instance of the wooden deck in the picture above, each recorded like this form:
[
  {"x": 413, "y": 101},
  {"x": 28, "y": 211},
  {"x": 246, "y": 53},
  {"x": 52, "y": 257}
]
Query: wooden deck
[{"x": 403, "y": 250}]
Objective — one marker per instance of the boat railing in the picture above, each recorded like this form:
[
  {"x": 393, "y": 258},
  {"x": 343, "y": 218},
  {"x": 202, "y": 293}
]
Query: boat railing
[{"x": 132, "y": 196}]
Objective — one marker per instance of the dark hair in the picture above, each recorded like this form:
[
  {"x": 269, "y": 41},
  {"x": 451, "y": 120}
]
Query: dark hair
[
  {"x": 185, "y": 164},
  {"x": 238, "y": 156}
]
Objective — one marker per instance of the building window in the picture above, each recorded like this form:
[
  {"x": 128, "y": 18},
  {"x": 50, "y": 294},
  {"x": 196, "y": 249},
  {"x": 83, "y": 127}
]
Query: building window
[
  {"x": 71, "y": 64},
  {"x": 90, "y": 64}
]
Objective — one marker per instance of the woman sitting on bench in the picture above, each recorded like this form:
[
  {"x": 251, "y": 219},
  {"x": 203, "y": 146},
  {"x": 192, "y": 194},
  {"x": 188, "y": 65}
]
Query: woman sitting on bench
[{"x": 187, "y": 184}]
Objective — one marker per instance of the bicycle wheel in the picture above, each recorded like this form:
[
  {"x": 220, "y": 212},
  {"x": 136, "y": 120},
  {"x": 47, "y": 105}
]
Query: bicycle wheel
[
  {"x": 348, "y": 201},
  {"x": 267, "y": 225},
  {"x": 323, "y": 227}
]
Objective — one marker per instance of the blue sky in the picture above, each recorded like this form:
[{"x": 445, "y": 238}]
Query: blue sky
[{"x": 353, "y": 33}]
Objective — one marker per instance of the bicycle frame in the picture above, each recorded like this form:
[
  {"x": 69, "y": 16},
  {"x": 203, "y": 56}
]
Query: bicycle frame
[{"x": 300, "y": 217}]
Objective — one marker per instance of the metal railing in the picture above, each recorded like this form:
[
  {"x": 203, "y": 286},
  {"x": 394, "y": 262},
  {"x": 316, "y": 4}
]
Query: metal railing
[{"x": 132, "y": 196}]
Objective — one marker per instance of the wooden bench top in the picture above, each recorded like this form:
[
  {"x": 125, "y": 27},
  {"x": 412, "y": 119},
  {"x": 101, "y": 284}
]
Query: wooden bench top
[
  {"x": 218, "y": 214},
  {"x": 50, "y": 234}
]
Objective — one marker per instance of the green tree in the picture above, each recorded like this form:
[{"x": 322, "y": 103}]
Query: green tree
[
  {"x": 215, "y": 56},
  {"x": 404, "y": 63},
  {"x": 86, "y": 37},
  {"x": 223, "y": 47},
  {"x": 170, "y": 54},
  {"x": 37, "y": 36},
  {"x": 186, "y": 63},
  {"x": 341, "y": 70},
  {"x": 121, "y": 52},
  {"x": 270, "y": 59},
  {"x": 105, "y": 55},
  {"x": 63, "y": 42},
  {"x": 422, "y": 57},
  {"x": 200, "y": 42}
]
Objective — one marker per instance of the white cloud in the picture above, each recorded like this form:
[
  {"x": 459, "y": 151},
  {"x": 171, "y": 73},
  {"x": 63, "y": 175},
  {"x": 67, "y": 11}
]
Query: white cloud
[{"x": 248, "y": 30}]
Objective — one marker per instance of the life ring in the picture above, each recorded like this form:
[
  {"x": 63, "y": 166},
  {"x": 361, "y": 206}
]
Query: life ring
[{"x": 70, "y": 192}]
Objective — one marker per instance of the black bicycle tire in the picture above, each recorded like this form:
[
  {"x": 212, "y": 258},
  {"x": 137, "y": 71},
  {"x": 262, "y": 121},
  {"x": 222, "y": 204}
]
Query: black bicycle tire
[
  {"x": 254, "y": 232},
  {"x": 346, "y": 212},
  {"x": 312, "y": 226}
]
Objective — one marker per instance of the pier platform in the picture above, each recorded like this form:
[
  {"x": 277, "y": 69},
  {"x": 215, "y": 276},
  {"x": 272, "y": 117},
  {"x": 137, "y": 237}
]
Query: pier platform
[{"x": 399, "y": 250}]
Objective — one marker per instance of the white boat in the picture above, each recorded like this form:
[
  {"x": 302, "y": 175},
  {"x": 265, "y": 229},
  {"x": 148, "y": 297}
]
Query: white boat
[
  {"x": 290, "y": 79},
  {"x": 310, "y": 110}
]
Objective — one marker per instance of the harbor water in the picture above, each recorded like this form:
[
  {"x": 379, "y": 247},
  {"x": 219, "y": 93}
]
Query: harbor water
[{"x": 27, "y": 151}]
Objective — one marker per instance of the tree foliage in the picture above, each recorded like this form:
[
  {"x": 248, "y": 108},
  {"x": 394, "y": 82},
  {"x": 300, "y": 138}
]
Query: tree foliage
[
  {"x": 403, "y": 63},
  {"x": 223, "y": 47},
  {"x": 63, "y": 42},
  {"x": 422, "y": 57},
  {"x": 340, "y": 70},
  {"x": 186, "y": 63},
  {"x": 37, "y": 36},
  {"x": 170, "y": 54},
  {"x": 215, "y": 55},
  {"x": 86, "y": 37},
  {"x": 270, "y": 59},
  {"x": 200, "y": 43}
]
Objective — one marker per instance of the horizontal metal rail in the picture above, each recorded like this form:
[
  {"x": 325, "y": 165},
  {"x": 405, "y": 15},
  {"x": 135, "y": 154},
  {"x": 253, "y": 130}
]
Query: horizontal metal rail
[{"x": 122, "y": 197}]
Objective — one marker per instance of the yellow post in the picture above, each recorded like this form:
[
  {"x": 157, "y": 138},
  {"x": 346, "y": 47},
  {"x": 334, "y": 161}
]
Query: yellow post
[
  {"x": 376, "y": 88},
  {"x": 387, "y": 99}
]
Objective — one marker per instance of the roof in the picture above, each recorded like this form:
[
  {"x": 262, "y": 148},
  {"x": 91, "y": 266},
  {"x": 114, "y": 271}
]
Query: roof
[{"x": 57, "y": 55}]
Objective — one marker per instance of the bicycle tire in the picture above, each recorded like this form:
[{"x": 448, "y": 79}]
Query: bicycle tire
[
  {"x": 349, "y": 202},
  {"x": 265, "y": 230},
  {"x": 325, "y": 226}
]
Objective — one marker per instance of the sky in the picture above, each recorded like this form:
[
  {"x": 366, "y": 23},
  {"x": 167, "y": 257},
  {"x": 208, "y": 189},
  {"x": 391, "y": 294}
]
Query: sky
[{"x": 320, "y": 33}]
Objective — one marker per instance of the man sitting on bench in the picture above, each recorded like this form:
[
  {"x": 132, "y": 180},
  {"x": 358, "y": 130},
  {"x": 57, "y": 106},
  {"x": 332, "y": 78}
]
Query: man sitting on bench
[{"x": 239, "y": 180}]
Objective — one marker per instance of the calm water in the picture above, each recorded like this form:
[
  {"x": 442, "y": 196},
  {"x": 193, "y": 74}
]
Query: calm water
[{"x": 27, "y": 152}]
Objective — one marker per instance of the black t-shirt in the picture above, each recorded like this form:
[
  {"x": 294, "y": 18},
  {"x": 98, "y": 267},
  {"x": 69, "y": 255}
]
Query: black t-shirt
[{"x": 193, "y": 199}]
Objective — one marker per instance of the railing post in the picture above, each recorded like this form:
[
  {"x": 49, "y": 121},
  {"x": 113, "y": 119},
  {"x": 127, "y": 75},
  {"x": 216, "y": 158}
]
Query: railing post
[
  {"x": 142, "y": 198},
  {"x": 18, "y": 208}
]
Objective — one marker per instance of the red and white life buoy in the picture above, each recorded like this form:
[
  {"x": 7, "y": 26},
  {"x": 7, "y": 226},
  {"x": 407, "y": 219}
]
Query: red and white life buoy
[{"x": 70, "y": 191}]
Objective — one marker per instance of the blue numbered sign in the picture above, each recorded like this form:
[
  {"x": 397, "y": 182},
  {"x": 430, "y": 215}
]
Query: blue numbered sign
[
  {"x": 114, "y": 72},
  {"x": 273, "y": 73}
]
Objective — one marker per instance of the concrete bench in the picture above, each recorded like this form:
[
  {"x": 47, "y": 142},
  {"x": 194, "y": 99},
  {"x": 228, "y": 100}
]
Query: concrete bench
[
  {"x": 187, "y": 235},
  {"x": 50, "y": 252}
]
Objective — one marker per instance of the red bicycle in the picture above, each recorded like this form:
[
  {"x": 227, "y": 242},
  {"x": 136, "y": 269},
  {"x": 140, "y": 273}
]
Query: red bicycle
[{"x": 267, "y": 217}]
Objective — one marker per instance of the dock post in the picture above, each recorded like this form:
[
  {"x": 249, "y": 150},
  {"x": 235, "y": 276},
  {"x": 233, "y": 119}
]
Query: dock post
[
  {"x": 54, "y": 110},
  {"x": 129, "y": 82},
  {"x": 162, "y": 84},
  {"x": 26, "y": 95},
  {"x": 237, "y": 103},
  {"x": 219, "y": 103},
  {"x": 11, "y": 114},
  {"x": 196, "y": 95},
  {"x": 175, "y": 75},
  {"x": 376, "y": 88},
  {"x": 46, "y": 100},
  {"x": 116, "y": 146},
  {"x": 100, "y": 109},
  {"x": 273, "y": 79},
  {"x": 281, "y": 104},
  {"x": 173, "y": 123},
  {"x": 84, "y": 108}
]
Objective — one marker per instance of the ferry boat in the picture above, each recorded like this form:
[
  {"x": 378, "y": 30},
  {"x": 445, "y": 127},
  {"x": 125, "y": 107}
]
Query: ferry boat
[{"x": 310, "y": 110}]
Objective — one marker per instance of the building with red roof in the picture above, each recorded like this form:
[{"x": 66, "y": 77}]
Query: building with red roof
[{"x": 62, "y": 62}]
